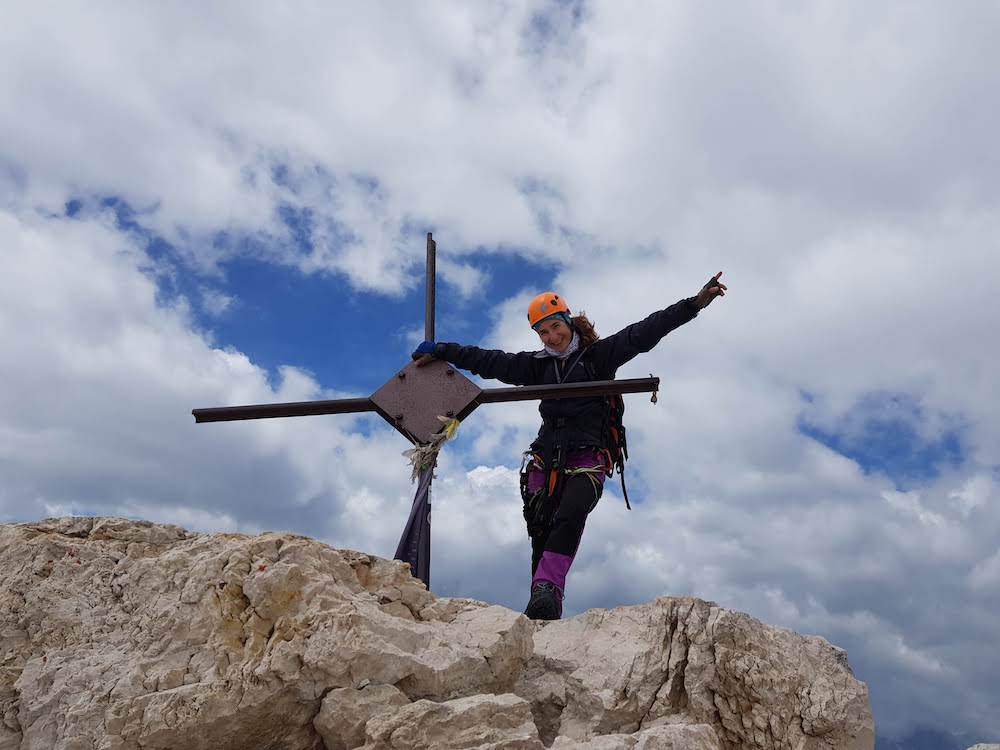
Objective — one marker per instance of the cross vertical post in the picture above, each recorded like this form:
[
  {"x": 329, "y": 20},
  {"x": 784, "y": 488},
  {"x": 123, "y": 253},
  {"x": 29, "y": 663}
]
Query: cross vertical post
[
  {"x": 431, "y": 277},
  {"x": 415, "y": 543}
]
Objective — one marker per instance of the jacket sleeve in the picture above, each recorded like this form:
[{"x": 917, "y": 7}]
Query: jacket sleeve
[
  {"x": 515, "y": 369},
  {"x": 612, "y": 352}
]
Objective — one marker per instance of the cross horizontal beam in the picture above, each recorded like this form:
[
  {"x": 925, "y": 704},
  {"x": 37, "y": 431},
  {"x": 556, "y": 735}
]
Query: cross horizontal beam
[
  {"x": 488, "y": 396},
  {"x": 569, "y": 390},
  {"x": 291, "y": 409}
]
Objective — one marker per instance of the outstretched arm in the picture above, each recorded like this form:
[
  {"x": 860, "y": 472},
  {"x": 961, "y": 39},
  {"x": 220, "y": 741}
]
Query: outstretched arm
[
  {"x": 515, "y": 369},
  {"x": 611, "y": 353}
]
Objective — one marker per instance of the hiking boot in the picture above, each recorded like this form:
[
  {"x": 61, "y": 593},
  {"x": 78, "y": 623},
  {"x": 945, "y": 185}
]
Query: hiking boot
[{"x": 545, "y": 603}]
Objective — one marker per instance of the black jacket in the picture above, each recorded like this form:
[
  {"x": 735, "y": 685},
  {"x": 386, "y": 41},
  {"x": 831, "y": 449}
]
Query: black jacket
[{"x": 583, "y": 419}]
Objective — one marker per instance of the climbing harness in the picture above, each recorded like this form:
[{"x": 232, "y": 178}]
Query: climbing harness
[{"x": 540, "y": 506}]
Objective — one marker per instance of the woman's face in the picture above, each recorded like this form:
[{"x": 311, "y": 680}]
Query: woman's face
[{"x": 555, "y": 334}]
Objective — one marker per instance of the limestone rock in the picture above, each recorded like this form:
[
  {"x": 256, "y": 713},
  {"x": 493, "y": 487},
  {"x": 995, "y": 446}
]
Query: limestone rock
[
  {"x": 671, "y": 737},
  {"x": 345, "y": 712},
  {"x": 690, "y": 661},
  {"x": 120, "y": 635},
  {"x": 485, "y": 722}
]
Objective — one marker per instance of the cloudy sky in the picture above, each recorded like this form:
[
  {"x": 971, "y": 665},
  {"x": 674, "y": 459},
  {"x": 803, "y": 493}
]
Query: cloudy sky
[{"x": 227, "y": 205}]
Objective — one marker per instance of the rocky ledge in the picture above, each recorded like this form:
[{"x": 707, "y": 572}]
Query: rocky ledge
[{"x": 121, "y": 635}]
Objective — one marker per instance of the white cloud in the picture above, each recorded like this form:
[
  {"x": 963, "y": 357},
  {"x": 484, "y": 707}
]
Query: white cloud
[
  {"x": 216, "y": 302},
  {"x": 100, "y": 383},
  {"x": 986, "y": 574},
  {"x": 908, "y": 503},
  {"x": 466, "y": 278},
  {"x": 976, "y": 493}
]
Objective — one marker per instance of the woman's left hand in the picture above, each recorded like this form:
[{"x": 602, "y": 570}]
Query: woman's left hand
[
  {"x": 424, "y": 354},
  {"x": 714, "y": 288}
]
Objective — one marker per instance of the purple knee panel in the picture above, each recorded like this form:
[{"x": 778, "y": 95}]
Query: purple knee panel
[{"x": 554, "y": 566}]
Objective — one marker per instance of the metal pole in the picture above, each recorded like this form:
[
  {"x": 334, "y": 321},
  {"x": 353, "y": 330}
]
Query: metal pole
[
  {"x": 429, "y": 313},
  {"x": 293, "y": 409},
  {"x": 569, "y": 390},
  {"x": 488, "y": 396},
  {"x": 415, "y": 543}
]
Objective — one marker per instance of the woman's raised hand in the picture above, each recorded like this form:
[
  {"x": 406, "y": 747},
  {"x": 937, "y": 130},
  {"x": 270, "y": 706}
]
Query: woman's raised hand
[{"x": 714, "y": 288}]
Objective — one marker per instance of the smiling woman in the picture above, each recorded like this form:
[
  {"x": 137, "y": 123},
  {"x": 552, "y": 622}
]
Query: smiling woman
[
  {"x": 580, "y": 440},
  {"x": 550, "y": 317}
]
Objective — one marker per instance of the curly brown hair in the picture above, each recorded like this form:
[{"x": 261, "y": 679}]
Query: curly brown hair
[{"x": 585, "y": 328}]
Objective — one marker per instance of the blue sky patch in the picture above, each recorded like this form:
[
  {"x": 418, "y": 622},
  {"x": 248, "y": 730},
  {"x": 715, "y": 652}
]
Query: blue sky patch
[
  {"x": 165, "y": 266},
  {"x": 882, "y": 433},
  {"x": 349, "y": 340}
]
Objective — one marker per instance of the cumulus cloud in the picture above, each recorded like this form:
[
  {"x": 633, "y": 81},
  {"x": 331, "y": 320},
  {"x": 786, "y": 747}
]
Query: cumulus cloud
[
  {"x": 101, "y": 380},
  {"x": 216, "y": 302}
]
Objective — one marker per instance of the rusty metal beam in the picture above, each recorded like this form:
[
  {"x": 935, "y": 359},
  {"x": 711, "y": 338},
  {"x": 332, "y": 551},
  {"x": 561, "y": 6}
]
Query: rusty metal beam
[
  {"x": 569, "y": 390},
  {"x": 488, "y": 396},
  {"x": 429, "y": 309},
  {"x": 292, "y": 409}
]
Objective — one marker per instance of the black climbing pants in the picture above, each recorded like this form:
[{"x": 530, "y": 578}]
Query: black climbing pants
[{"x": 579, "y": 496}]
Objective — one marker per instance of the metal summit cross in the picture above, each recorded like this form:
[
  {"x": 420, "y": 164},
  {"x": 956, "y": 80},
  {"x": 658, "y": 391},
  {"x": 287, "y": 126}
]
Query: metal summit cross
[{"x": 416, "y": 401}]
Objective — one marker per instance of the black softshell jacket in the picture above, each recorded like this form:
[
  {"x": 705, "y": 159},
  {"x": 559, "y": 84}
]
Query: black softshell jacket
[{"x": 580, "y": 422}]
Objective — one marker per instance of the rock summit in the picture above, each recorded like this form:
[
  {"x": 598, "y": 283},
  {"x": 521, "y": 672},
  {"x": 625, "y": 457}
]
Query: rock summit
[{"x": 128, "y": 635}]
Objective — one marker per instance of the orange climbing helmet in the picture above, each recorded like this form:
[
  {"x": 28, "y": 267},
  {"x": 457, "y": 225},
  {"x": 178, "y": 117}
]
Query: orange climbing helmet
[{"x": 546, "y": 305}]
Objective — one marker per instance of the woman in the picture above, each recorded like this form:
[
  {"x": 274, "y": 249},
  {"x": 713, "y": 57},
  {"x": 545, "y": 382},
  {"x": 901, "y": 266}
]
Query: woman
[{"x": 563, "y": 475}]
